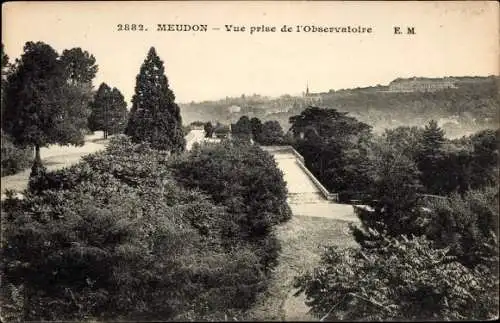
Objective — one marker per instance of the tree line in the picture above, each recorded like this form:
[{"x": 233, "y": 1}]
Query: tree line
[
  {"x": 428, "y": 237},
  {"x": 140, "y": 230},
  {"x": 48, "y": 98},
  {"x": 246, "y": 129}
]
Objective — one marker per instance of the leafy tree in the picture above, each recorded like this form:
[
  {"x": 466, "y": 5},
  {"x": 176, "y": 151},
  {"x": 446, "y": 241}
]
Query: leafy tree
[
  {"x": 271, "y": 133},
  {"x": 405, "y": 139},
  {"x": 155, "y": 117},
  {"x": 242, "y": 128},
  {"x": 485, "y": 158},
  {"x": 109, "y": 111},
  {"x": 209, "y": 129},
  {"x": 43, "y": 106},
  {"x": 245, "y": 180},
  {"x": 328, "y": 123},
  {"x": 394, "y": 199},
  {"x": 5, "y": 60},
  {"x": 408, "y": 279},
  {"x": 468, "y": 226},
  {"x": 335, "y": 148},
  {"x": 6, "y": 70},
  {"x": 116, "y": 237},
  {"x": 79, "y": 66},
  {"x": 256, "y": 125}
]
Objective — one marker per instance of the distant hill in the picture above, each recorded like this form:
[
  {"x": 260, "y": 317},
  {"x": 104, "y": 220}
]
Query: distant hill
[{"x": 460, "y": 104}]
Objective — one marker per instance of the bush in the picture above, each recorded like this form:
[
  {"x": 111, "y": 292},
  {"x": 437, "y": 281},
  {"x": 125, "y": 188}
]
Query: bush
[
  {"x": 406, "y": 280},
  {"x": 242, "y": 177},
  {"x": 468, "y": 225},
  {"x": 14, "y": 158},
  {"x": 116, "y": 237},
  {"x": 246, "y": 181}
]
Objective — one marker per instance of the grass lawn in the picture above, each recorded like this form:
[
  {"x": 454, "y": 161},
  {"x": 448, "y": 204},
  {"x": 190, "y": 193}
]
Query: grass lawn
[
  {"x": 55, "y": 157},
  {"x": 302, "y": 239}
]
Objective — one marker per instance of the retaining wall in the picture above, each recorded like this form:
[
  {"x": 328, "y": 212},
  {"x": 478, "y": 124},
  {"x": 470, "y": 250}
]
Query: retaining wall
[{"x": 300, "y": 161}]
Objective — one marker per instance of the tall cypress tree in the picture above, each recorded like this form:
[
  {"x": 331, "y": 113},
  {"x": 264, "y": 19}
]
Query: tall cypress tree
[{"x": 155, "y": 117}]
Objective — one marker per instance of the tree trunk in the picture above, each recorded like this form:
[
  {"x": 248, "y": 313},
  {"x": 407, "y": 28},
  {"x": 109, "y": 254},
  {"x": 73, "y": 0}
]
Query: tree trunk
[
  {"x": 37, "y": 167},
  {"x": 38, "y": 159}
]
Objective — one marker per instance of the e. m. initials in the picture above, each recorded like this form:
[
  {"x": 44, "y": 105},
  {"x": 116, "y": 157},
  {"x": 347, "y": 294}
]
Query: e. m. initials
[{"x": 400, "y": 30}]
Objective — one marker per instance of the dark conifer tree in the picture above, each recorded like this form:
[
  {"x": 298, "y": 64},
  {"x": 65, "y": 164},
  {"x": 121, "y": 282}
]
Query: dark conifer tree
[
  {"x": 430, "y": 157},
  {"x": 155, "y": 117}
]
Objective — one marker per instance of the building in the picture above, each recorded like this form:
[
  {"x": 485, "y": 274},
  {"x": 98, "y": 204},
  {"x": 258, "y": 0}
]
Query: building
[
  {"x": 311, "y": 98},
  {"x": 222, "y": 131},
  {"x": 415, "y": 84}
]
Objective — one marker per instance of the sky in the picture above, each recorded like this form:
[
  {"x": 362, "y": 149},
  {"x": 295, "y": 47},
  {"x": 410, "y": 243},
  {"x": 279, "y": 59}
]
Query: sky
[{"x": 451, "y": 39}]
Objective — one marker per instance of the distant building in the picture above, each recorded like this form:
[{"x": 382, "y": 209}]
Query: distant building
[
  {"x": 234, "y": 109},
  {"x": 311, "y": 98},
  {"x": 222, "y": 131},
  {"x": 415, "y": 84}
]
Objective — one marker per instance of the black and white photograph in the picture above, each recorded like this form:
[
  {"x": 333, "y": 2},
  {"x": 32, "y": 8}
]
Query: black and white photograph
[{"x": 250, "y": 161}]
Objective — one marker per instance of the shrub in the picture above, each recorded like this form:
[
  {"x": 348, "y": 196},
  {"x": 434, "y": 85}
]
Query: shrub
[
  {"x": 240, "y": 176},
  {"x": 406, "y": 280},
  {"x": 468, "y": 225},
  {"x": 246, "y": 181},
  {"x": 116, "y": 237},
  {"x": 14, "y": 158}
]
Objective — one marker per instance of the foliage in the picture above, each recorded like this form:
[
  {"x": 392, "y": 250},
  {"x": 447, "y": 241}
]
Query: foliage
[
  {"x": 335, "y": 147},
  {"x": 78, "y": 66},
  {"x": 484, "y": 158},
  {"x": 115, "y": 237},
  {"x": 449, "y": 166},
  {"x": 109, "y": 111},
  {"x": 46, "y": 97},
  {"x": 7, "y": 68},
  {"x": 430, "y": 156},
  {"x": 14, "y": 158},
  {"x": 271, "y": 133},
  {"x": 394, "y": 205},
  {"x": 242, "y": 128},
  {"x": 473, "y": 104},
  {"x": 448, "y": 270},
  {"x": 246, "y": 180},
  {"x": 468, "y": 226},
  {"x": 404, "y": 139},
  {"x": 407, "y": 279},
  {"x": 256, "y": 126},
  {"x": 209, "y": 129},
  {"x": 155, "y": 117},
  {"x": 221, "y": 130}
]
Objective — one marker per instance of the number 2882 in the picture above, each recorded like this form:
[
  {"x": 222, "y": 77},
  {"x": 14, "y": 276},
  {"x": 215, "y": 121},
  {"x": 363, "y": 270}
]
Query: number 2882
[{"x": 130, "y": 27}]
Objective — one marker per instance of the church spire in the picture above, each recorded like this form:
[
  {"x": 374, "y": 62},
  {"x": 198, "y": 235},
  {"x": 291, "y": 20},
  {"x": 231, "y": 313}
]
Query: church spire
[{"x": 307, "y": 88}]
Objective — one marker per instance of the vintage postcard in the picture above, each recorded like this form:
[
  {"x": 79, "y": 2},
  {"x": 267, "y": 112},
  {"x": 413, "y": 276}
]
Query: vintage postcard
[{"x": 249, "y": 160}]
